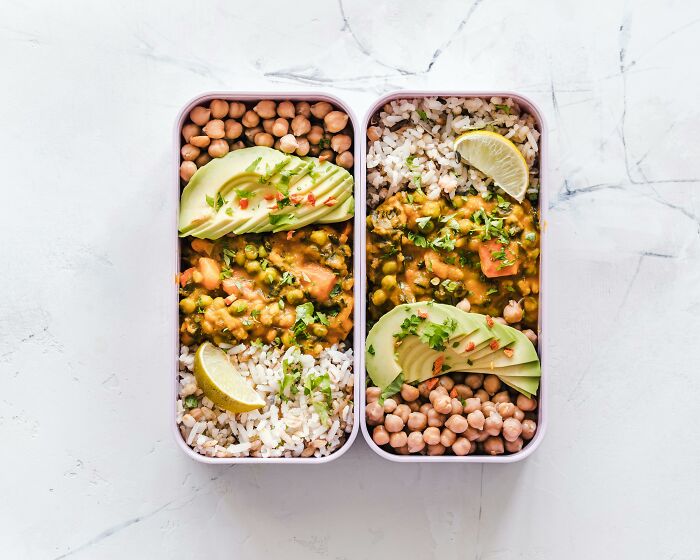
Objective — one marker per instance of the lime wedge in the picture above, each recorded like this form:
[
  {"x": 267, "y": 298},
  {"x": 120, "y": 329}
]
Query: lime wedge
[
  {"x": 221, "y": 382},
  {"x": 496, "y": 157}
]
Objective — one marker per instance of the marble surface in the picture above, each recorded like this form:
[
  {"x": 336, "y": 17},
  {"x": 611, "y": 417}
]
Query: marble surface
[{"x": 89, "y": 466}]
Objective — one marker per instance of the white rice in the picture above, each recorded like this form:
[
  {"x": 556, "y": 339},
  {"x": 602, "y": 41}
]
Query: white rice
[
  {"x": 422, "y": 131},
  {"x": 283, "y": 428}
]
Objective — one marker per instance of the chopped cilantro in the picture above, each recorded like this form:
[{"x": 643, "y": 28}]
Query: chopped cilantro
[
  {"x": 216, "y": 203},
  {"x": 411, "y": 161},
  {"x": 436, "y": 334},
  {"x": 422, "y": 114},
  {"x": 504, "y": 108},
  {"x": 225, "y": 273},
  {"x": 322, "y": 318},
  {"x": 492, "y": 291},
  {"x": 423, "y": 221},
  {"x": 336, "y": 290},
  {"x": 409, "y": 326},
  {"x": 281, "y": 220},
  {"x": 229, "y": 211},
  {"x": 530, "y": 236},
  {"x": 370, "y": 350},
  {"x": 242, "y": 193},
  {"x": 391, "y": 389}
]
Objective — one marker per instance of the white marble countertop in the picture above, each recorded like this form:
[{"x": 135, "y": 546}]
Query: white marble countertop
[{"x": 89, "y": 467}]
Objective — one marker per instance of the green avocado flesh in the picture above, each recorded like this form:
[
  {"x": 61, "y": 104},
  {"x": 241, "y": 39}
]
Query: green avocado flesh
[
  {"x": 426, "y": 339},
  {"x": 263, "y": 190}
]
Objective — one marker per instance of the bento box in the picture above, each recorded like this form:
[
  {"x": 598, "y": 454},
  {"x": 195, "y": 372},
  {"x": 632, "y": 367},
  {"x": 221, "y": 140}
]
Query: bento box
[
  {"x": 281, "y": 131},
  {"x": 401, "y": 121}
]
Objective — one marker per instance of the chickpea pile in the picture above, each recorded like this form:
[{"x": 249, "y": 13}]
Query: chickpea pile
[
  {"x": 300, "y": 128},
  {"x": 455, "y": 414}
]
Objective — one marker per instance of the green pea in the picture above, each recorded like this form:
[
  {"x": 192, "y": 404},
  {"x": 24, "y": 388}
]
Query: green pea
[
  {"x": 431, "y": 208},
  {"x": 262, "y": 252},
  {"x": 379, "y": 297},
  {"x": 251, "y": 252},
  {"x": 205, "y": 300},
  {"x": 188, "y": 305},
  {"x": 271, "y": 275},
  {"x": 319, "y": 237},
  {"x": 390, "y": 267},
  {"x": 253, "y": 266},
  {"x": 319, "y": 330},
  {"x": 240, "y": 258},
  {"x": 294, "y": 296},
  {"x": 388, "y": 282},
  {"x": 458, "y": 201},
  {"x": 287, "y": 338}
]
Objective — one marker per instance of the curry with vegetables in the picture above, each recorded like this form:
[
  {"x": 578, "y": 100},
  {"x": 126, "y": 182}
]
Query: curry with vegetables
[
  {"x": 481, "y": 248},
  {"x": 288, "y": 288}
]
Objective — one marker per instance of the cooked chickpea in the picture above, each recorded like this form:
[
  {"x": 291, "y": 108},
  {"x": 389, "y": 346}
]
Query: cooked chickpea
[
  {"x": 219, "y": 108},
  {"x": 390, "y": 405},
  {"x": 447, "y": 382},
  {"x": 398, "y": 439},
  {"x": 437, "y": 449},
  {"x": 203, "y": 159},
  {"x": 505, "y": 409},
  {"x": 388, "y": 282},
  {"x": 513, "y": 312},
  {"x": 525, "y": 404},
  {"x": 492, "y": 384},
  {"x": 512, "y": 428},
  {"x": 425, "y": 407},
  {"x": 303, "y": 108},
  {"x": 218, "y": 148},
  {"x": 250, "y": 119},
  {"x": 457, "y": 423},
  {"x": 321, "y": 109},
  {"x": 528, "y": 429},
  {"x": 461, "y": 446},
  {"x": 514, "y": 446},
  {"x": 483, "y": 395},
  {"x": 335, "y": 121},
  {"x": 476, "y": 419},
  {"x": 267, "y": 125},
  {"x": 190, "y": 130},
  {"x": 500, "y": 320},
  {"x": 415, "y": 442},
  {"x": 464, "y": 305},
  {"x": 457, "y": 407},
  {"x": 530, "y": 334},
  {"x": 442, "y": 404},
  {"x": 232, "y": 129},
  {"x": 288, "y": 143},
  {"x": 250, "y": 133},
  {"x": 264, "y": 139},
  {"x": 374, "y": 133},
  {"x": 488, "y": 408},
  {"x": 286, "y": 110},
  {"x": 300, "y": 125},
  {"x": 266, "y": 108},
  {"x": 417, "y": 421},
  {"x": 341, "y": 143},
  {"x": 463, "y": 392},
  {"x": 458, "y": 377},
  {"x": 435, "y": 419},
  {"x": 237, "y": 145},
  {"x": 236, "y": 109},
  {"x": 424, "y": 390},
  {"x": 374, "y": 412},
  {"x": 403, "y": 412},
  {"x": 393, "y": 423},
  {"x": 447, "y": 437},
  {"x": 371, "y": 393},
  {"x": 472, "y": 404},
  {"x": 315, "y": 134},
  {"x": 303, "y": 146},
  {"x": 431, "y": 435},
  {"x": 472, "y": 434},
  {"x": 474, "y": 380},
  {"x": 200, "y": 141},
  {"x": 280, "y": 127},
  {"x": 200, "y": 115},
  {"x": 493, "y": 446},
  {"x": 380, "y": 436},
  {"x": 501, "y": 397},
  {"x": 187, "y": 169},
  {"x": 414, "y": 406},
  {"x": 493, "y": 424},
  {"x": 345, "y": 160},
  {"x": 409, "y": 393},
  {"x": 214, "y": 129},
  {"x": 518, "y": 414},
  {"x": 189, "y": 152}
]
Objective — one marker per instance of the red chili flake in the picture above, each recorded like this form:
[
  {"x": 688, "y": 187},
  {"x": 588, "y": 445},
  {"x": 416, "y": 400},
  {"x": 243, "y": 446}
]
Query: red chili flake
[
  {"x": 269, "y": 196},
  {"x": 489, "y": 321},
  {"x": 494, "y": 345},
  {"x": 243, "y": 203},
  {"x": 422, "y": 313},
  {"x": 508, "y": 352},
  {"x": 453, "y": 393},
  {"x": 290, "y": 234},
  {"x": 470, "y": 346},
  {"x": 431, "y": 383},
  {"x": 312, "y": 199},
  {"x": 280, "y": 196},
  {"x": 295, "y": 198},
  {"x": 330, "y": 202},
  {"x": 437, "y": 365}
]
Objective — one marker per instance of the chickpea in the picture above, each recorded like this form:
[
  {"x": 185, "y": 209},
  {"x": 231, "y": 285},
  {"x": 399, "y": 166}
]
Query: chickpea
[
  {"x": 374, "y": 133},
  {"x": 424, "y": 390},
  {"x": 218, "y": 108},
  {"x": 398, "y": 439},
  {"x": 472, "y": 434},
  {"x": 514, "y": 446},
  {"x": 464, "y": 305},
  {"x": 218, "y": 148},
  {"x": 390, "y": 405},
  {"x": 314, "y": 151},
  {"x": 326, "y": 155},
  {"x": 190, "y": 130},
  {"x": 236, "y": 109},
  {"x": 528, "y": 429},
  {"x": 232, "y": 129},
  {"x": 267, "y": 125},
  {"x": 315, "y": 134},
  {"x": 425, "y": 407},
  {"x": 457, "y": 407},
  {"x": 416, "y": 420},
  {"x": 388, "y": 282},
  {"x": 203, "y": 159},
  {"x": 372, "y": 394},
  {"x": 300, "y": 125},
  {"x": 512, "y": 312},
  {"x": 442, "y": 404},
  {"x": 264, "y": 139},
  {"x": 525, "y": 404},
  {"x": 200, "y": 115},
  {"x": 379, "y": 297},
  {"x": 280, "y": 127},
  {"x": 512, "y": 428},
  {"x": 189, "y": 152},
  {"x": 518, "y": 414},
  {"x": 474, "y": 380},
  {"x": 502, "y": 397},
  {"x": 345, "y": 160},
  {"x": 403, "y": 412},
  {"x": 461, "y": 446},
  {"x": 505, "y": 409},
  {"x": 431, "y": 435},
  {"x": 530, "y": 334},
  {"x": 437, "y": 449},
  {"x": 303, "y": 108},
  {"x": 266, "y": 108},
  {"x": 250, "y": 133},
  {"x": 409, "y": 393},
  {"x": 458, "y": 377},
  {"x": 335, "y": 121},
  {"x": 463, "y": 392},
  {"x": 401, "y": 450},
  {"x": 288, "y": 143},
  {"x": 375, "y": 413},
  {"x": 214, "y": 129},
  {"x": 435, "y": 419},
  {"x": 447, "y": 382},
  {"x": 187, "y": 169},
  {"x": 303, "y": 147},
  {"x": 414, "y": 406},
  {"x": 476, "y": 419},
  {"x": 493, "y": 446},
  {"x": 493, "y": 424},
  {"x": 200, "y": 141},
  {"x": 341, "y": 143},
  {"x": 439, "y": 390},
  {"x": 393, "y": 423},
  {"x": 286, "y": 110},
  {"x": 492, "y": 384},
  {"x": 380, "y": 436},
  {"x": 472, "y": 404},
  {"x": 237, "y": 145},
  {"x": 321, "y": 109},
  {"x": 250, "y": 119},
  {"x": 483, "y": 395},
  {"x": 415, "y": 442},
  {"x": 447, "y": 437},
  {"x": 457, "y": 423}
]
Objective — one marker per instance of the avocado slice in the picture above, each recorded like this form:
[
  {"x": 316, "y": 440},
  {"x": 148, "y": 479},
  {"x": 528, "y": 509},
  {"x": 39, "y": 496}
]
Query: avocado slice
[
  {"x": 526, "y": 385},
  {"x": 340, "y": 213},
  {"x": 523, "y": 353}
]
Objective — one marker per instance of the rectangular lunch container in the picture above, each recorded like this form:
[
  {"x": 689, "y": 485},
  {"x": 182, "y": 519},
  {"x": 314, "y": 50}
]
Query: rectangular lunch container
[
  {"x": 357, "y": 335},
  {"x": 360, "y": 314}
]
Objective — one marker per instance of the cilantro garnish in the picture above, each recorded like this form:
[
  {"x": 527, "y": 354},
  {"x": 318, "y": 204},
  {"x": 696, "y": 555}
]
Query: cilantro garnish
[
  {"x": 216, "y": 203},
  {"x": 281, "y": 220},
  {"x": 504, "y": 108},
  {"x": 436, "y": 334},
  {"x": 370, "y": 350},
  {"x": 409, "y": 326},
  {"x": 191, "y": 402},
  {"x": 422, "y": 114},
  {"x": 423, "y": 221},
  {"x": 391, "y": 389}
]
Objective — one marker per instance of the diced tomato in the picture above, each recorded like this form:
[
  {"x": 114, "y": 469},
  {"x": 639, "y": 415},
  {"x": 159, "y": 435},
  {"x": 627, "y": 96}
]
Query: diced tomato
[
  {"x": 295, "y": 198},
  {"x": 508, "y": 352},
  {"x": 243, "y": 203},
  {"x": 330, "y": 202},
  {"x": 230, "y": 286},
  {"x": 493, "y": 268},
  {"x": 494, "y": 345},
  {"x": 432, "y": 383},
  {"x": 228, "y": 300},
  {"x": 470, "y": 346},
  {"x": 186, "y": 276},
  {"x": 290, "y": 234},
  {"x": 269, "y": 196},
  {"x": 422, "y": 313},
  {"x": 489, "y": 321}
]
